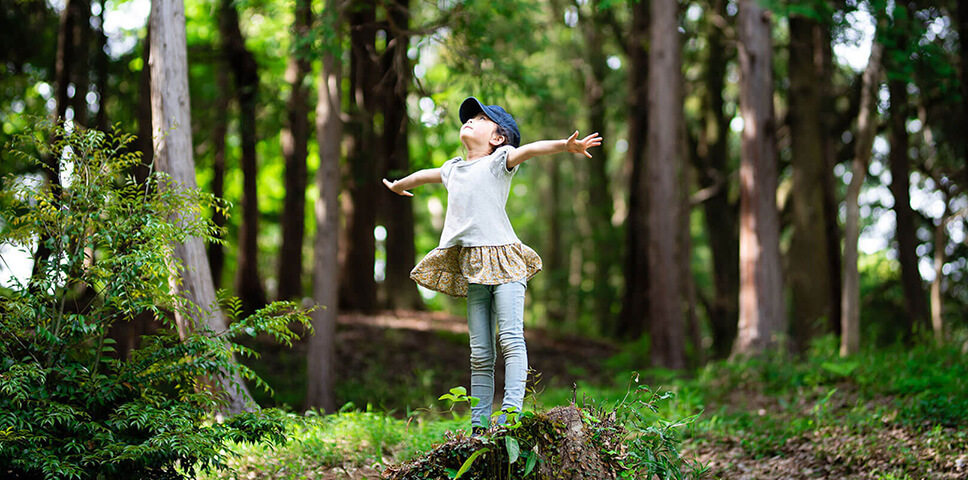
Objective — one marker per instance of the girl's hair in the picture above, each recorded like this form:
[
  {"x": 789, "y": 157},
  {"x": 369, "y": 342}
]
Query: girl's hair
[{"x": 504, "y": 133}]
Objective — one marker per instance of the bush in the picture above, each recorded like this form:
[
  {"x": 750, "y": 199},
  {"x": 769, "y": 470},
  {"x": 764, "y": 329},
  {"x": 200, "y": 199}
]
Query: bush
[{"x": 69, "y": 406}]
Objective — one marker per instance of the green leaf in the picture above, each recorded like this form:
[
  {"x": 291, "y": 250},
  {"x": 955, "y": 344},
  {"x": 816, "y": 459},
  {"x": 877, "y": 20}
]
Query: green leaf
[
  {"x": 532, "y": 461},
  {"x": 470, "y": 461},
  {"x": 514, "y": 449}
]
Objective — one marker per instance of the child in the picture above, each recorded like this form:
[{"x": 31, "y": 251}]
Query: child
[{"x": 479, "y": 255}]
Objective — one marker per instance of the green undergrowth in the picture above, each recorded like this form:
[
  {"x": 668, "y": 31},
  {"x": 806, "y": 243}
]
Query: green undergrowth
[{"x": 872, "y": 409}]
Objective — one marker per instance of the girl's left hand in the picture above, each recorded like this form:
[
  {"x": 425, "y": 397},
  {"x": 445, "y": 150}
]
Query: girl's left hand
[{"x": 573, "y": 145}]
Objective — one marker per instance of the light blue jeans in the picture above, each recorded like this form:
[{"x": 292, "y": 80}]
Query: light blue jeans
[{"x": 500, "y": 306}]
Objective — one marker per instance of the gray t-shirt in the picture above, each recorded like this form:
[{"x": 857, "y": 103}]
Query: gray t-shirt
[{"x": 477, "y": 193}]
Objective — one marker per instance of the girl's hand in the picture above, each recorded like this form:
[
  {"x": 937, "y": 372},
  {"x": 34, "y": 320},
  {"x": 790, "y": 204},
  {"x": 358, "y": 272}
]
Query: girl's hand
[
  {"x": 396, "y": 188},
  {"x": 573, "y": 145}
]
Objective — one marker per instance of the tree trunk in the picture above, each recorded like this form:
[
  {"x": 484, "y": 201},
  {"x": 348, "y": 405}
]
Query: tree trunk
[
  {"x": 664, "y": 147},
  {"x": 599, "y": 199},
  {"x": 907, "y": 241},
  {"x": 713, "y": 173},
  {"x": 358, "y": 287},
  {"x": 216, "y": 251},
  {"x": 830, "y": 140},
  {"x": 321, "y": 358},
  {"x": 762, "y": 320},
  {"x": 866, "y": 130},
  {"x": 937, "y": 298},
  {"x": 962, "y": 8},
  {"x": 173, "y": 154},
  {"x": 635, "y": 306},
  {"x": 808, "y": 262},
  {"x": 245, "y": 71},
  {"x": 295, "y": 142},
  {"x": 101, "y": 64},
  {"x": 401, "y": 252},
  {"x": 144, "y": 142}
]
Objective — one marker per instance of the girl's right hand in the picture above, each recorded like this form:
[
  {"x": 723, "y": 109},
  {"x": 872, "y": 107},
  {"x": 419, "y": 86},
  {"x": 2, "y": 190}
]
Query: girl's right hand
[{"x": 395, "y": 187}]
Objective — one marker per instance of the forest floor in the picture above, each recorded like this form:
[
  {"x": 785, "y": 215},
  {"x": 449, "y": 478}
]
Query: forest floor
[{"x": 756, "y": 421}]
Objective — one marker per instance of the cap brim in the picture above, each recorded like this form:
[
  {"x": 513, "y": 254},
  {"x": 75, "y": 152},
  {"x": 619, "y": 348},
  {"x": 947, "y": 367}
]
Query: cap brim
[{"x": 470, "y": 107}]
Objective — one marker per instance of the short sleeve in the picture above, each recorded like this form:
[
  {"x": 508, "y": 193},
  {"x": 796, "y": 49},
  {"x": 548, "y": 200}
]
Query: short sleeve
[
  {"x": 446, "y": 168},
  {"x": 499, "y": 162}
]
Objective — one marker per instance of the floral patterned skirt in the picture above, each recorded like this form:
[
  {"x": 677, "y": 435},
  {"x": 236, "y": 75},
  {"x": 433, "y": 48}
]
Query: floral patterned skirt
[{"x": 449, "y": 270}]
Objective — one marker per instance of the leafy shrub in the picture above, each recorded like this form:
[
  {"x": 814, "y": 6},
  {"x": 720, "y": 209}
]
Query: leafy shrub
[{"x": 69, "y": 406}]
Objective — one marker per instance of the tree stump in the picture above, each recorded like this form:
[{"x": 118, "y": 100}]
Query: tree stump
[{"x": 566, "y": 446}]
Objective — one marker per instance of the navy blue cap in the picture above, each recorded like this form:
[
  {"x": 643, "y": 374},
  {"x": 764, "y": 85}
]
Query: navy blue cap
[{"x": 472, "y": 106}]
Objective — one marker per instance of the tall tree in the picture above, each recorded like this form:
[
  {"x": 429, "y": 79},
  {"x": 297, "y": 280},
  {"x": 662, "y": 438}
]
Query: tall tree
[
  {"x": 358, "y": 287},
  {"x": 244, "y": 69},
  {"x": 761, "y": 317},
  {"x": 295, "y": 144},
  {"x": 635, "y": 305},
  {"x": 599, "y": 197},
  {"x": 713, "y": 173},
  {"x": 171, "y": 117},
  {"x": 899, "y": 72},
  {"x": 321, "y": 358},
  {"x": 401, "y": 252},
  {"x": 866, "y": 130},
  {"x": 808, "y": 273},
  {"x": 664, "y": 146},
  {"x": 220, "y": 126}
]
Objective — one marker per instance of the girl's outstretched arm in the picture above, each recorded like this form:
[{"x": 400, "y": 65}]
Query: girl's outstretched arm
[
  {"x": 415, "y": 179},
  {"x": 548, "y": 147}
]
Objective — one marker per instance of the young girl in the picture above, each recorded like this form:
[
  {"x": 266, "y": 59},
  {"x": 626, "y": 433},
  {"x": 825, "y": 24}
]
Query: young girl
[{"x": 479, "y": 256}]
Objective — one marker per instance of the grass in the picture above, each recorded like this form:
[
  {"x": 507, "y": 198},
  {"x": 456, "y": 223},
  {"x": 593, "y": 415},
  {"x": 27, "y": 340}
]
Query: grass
[{"x": 893, "y": 413}]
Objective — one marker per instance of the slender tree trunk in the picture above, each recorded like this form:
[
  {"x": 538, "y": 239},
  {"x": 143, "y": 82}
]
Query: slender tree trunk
[
  {"x": 295, "y": 142},
  {"x": 962, "y": 8},
  {"x": 401, "y": 252},
  {"x": 101, "y": 63},
  {"x": 216, "y": 251},
  {"x": 173, "y": 154},
  {"x": 762, "y": 320},
  {"x": 808, "y": 256},
  {"x": 937, "y": 298},
  {"x": 907, "y": 241},
  {"x": 321, "y": 359},
  {"x": 635, "y": 307},
  {"x": 599, "y": 199},
  {"x": 664, "y": 146},
  {"x": 829, "y": 140},
  {"x": 80, "y": 73},
  {"x": 713, "y": 173},
  {"x": 358, "y": 287},
  {"x": 866, "y": 130},
  {"x": 144, "y": 142},
  {"x": 248, "y": 286}
]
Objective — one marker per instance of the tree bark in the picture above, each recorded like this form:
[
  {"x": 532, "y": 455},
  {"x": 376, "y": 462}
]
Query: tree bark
[
  {"x": 321, "y": 358},
  {"x": 762, "y": 320},
  {"x": 635, "y": 305},
  {"x": 295, "y": 144},
  {"x": 907, "y": 242},
  {"x": 600, "y": 207},
  {"x": 866, "y": 130},
  {"x": 144, "y": 142},
  {"x": 358, "y": 287},
  {"x": 808, "y": 262},
  {"x": 216, "y": 251},
  {"x": 713, "y": 172},
  {"x": 171, "y": 117},
  {"x": 248, "y": 286},
  {"x": 664, "y": 147},
  {"x": 401, "y": 252},
  {"x": 101, "y": 64}
]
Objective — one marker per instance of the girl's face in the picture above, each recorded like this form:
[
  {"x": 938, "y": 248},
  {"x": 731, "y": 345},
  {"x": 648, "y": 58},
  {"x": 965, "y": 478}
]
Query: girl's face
[{"x": 479, "y": 131}]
